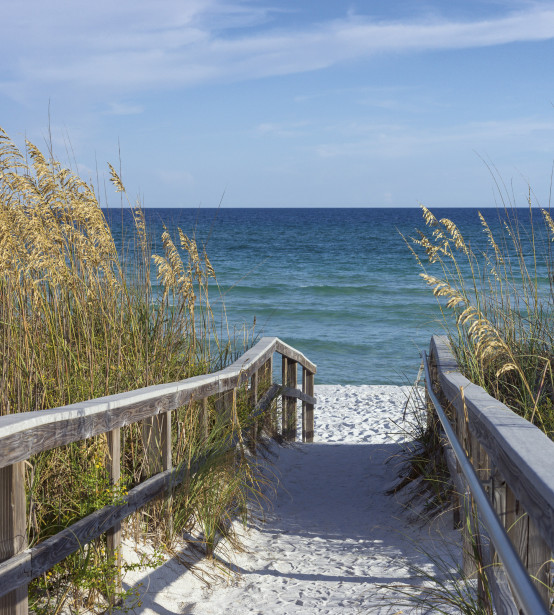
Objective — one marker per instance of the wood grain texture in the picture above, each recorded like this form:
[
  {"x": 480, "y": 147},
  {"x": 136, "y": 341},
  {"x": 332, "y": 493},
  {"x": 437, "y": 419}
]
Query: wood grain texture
[
  {"x": 29, "y": 564},
  {"x": 13, "y": 533},
  {"x": 294, "y": 355},
  {"x": 307, "y": 406},
  {"x": 520, "y": 452},
  {"x": 24, "y": 434},
  {"x": 290, "y": 372},
  {"x": 253, "y": 393},
  {"x": 498, "y": 581},
  {"x": 113, "y": 535}
]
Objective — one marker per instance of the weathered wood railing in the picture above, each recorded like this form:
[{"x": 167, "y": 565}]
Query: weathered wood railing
[
  {"x": 515, "y": 462},
  {"x": 23, "y": 435}
]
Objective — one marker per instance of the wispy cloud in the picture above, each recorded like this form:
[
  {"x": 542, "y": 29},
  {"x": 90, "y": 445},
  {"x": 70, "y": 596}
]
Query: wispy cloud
[
  {"x": 138, "y": 45},
  {"x": 404, "y": 141},
  {"x": 281, "y": 129},
  {"x": 120, "y": 108}
]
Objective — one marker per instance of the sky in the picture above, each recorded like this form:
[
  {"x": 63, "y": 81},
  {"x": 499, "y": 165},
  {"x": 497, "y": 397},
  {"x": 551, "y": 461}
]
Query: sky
[{"x": 304, "y": 103}]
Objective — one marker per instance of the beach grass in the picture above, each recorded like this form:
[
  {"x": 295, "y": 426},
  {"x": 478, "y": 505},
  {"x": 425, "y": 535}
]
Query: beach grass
[
  {"x": 497, "y": 305},
  {"x": 82, "y": 317}
]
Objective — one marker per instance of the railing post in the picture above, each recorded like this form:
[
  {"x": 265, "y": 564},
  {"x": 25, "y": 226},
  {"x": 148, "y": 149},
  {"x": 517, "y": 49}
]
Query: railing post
[
  {"x": 164, "y": 421},
  {"x": 151, "y": 444},
  {"x": 229, "y": 403},
  {"x": 204, "y": 417},
  {"x": 113, "y": 536},
  {"x": 265, "y": 379},
  {"x": 13, "y": 531},
  {"x": 289, "y": 403},
  {"x": 164, "y": 425},
  {"x": 529, "y": 545},
  {"x": 253, "y": 402},
  {"x": 307, "y": 409},
  {"x": 539, "y": 558}
]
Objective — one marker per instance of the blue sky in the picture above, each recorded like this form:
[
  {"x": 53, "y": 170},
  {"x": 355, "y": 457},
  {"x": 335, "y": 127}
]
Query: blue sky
[{"x": 304, "y": 103}]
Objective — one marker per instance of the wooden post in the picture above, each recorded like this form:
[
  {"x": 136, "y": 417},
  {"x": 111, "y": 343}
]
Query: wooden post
[
  {"x": 164, "y": 421},
  {"x": 164, "y": 425},
  {"x": 254, "y": 388},
  {"x": 203, "y": 418},
  {"x": 498, "y": 499},
  {"x": 266, "y": 380},
  {"x": 229, "y": 406},
  {"x": 253, "y": 402},
  {"x": 156, "y": 434},
  {"x": 289, "y": 403},
  {"x": 13, "y": 531},
  {"x": 539, "y": 557},
  {"x": 151, "y": 437},
  {"x": 307, "y": 409},
  {"x": 113, "y": 536}
]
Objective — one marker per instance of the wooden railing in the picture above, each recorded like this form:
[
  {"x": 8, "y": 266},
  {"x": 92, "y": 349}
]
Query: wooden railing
[
  {"x": 26, "y": 434},
  {"x": 515, "y": 462}
]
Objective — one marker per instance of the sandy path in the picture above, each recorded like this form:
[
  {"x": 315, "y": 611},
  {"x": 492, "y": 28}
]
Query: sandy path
[{"x": 331, "y": 539}]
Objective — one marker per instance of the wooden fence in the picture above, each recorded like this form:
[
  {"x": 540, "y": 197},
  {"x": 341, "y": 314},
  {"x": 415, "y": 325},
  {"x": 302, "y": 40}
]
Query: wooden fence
[
  {"x": 26, "y": 434},
  {"x": 515, "y": 462}
]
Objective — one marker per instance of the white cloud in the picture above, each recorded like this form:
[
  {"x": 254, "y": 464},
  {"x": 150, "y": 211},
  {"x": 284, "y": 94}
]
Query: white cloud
[
  {"x": 281, "y": 129},
  {"x": 174, "y": 177},
  {"x": 120, "y": 108},
  {"x": 138, "y": 45},
  {"x": 395, "y": 141}
]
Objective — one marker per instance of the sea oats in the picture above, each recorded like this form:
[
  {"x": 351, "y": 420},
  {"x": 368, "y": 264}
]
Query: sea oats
[
  {"x": 454, "y": 233},
  {"x": 115, "y": 179}
]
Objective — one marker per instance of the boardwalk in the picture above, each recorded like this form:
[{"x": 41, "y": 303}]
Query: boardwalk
[{"x": 332, "y": 541}]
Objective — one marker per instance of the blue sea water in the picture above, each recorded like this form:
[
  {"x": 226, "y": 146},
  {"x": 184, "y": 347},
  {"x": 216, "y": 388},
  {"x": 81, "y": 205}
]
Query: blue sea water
[{"x": 340, "y": 285}]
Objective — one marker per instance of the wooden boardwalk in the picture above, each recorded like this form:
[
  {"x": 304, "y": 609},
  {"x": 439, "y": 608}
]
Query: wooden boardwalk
[{"x": 332, "y": 541}]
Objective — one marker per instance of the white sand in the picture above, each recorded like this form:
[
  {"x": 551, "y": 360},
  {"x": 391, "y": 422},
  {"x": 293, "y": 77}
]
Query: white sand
[{"x": 332, "y": 538}]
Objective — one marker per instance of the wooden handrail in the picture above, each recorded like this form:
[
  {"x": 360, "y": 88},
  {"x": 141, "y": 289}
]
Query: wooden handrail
[
  {"x": 25, "y": 434},
  {"x": 511, "y": 455}
]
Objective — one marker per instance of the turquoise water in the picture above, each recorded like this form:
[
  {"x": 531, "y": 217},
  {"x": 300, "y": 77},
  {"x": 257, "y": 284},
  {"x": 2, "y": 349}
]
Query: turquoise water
[{"x": 338, "y": 284}]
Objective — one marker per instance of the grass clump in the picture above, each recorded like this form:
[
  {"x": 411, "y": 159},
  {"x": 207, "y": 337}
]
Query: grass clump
[
  {"x": 82, "y": 317},
  {"x": 501, "y": 301},
  {"x": 422, "y": 467}
]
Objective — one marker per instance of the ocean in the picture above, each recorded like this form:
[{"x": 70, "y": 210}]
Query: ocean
[{"x": 340, "y": 284}]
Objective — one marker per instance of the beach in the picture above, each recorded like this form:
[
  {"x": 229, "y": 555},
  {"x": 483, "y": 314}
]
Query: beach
[{"x": 328, "y": 538}]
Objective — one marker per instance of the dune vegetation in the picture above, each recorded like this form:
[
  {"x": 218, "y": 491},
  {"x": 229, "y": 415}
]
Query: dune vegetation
[
  {"x": 497, "y": 305},
  {"x": 82, "y": 317}
]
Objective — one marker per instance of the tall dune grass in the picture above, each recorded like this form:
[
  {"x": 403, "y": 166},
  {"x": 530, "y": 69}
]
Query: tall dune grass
[
  {"x": 501, "y": 302},
  {"x": 79, "y": 319}
]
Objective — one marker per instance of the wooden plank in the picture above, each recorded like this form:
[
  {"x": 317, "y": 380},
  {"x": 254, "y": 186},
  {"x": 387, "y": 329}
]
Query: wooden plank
[
  {"x": 498, "y": 581},
  {"x": 25, "y": 434},
  {"x": 29, "y": 564},
  {"x": 13, "y": 532},
  {"x": 151, "y": 439},
  {"x": 458, "y": 485},
  {"x": 227, "y": 404},
  {"x": 500, "y": 589},
  {"x": 307, "y": 406},
  {"x": 502, "y": 597},
  {"x": 113, "y": 535},
  {"x": 289, "y": 402},
  {"x": 165, "y": 439},
  {"x": 294, "y": 355},
  {"x": 298, "y": 394},
  {"x": 204, "y": 418},
  {"x": 253, "y": 401},
  {"x": 522, "y": 453},
  {"x": 539, "y": 557}
]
